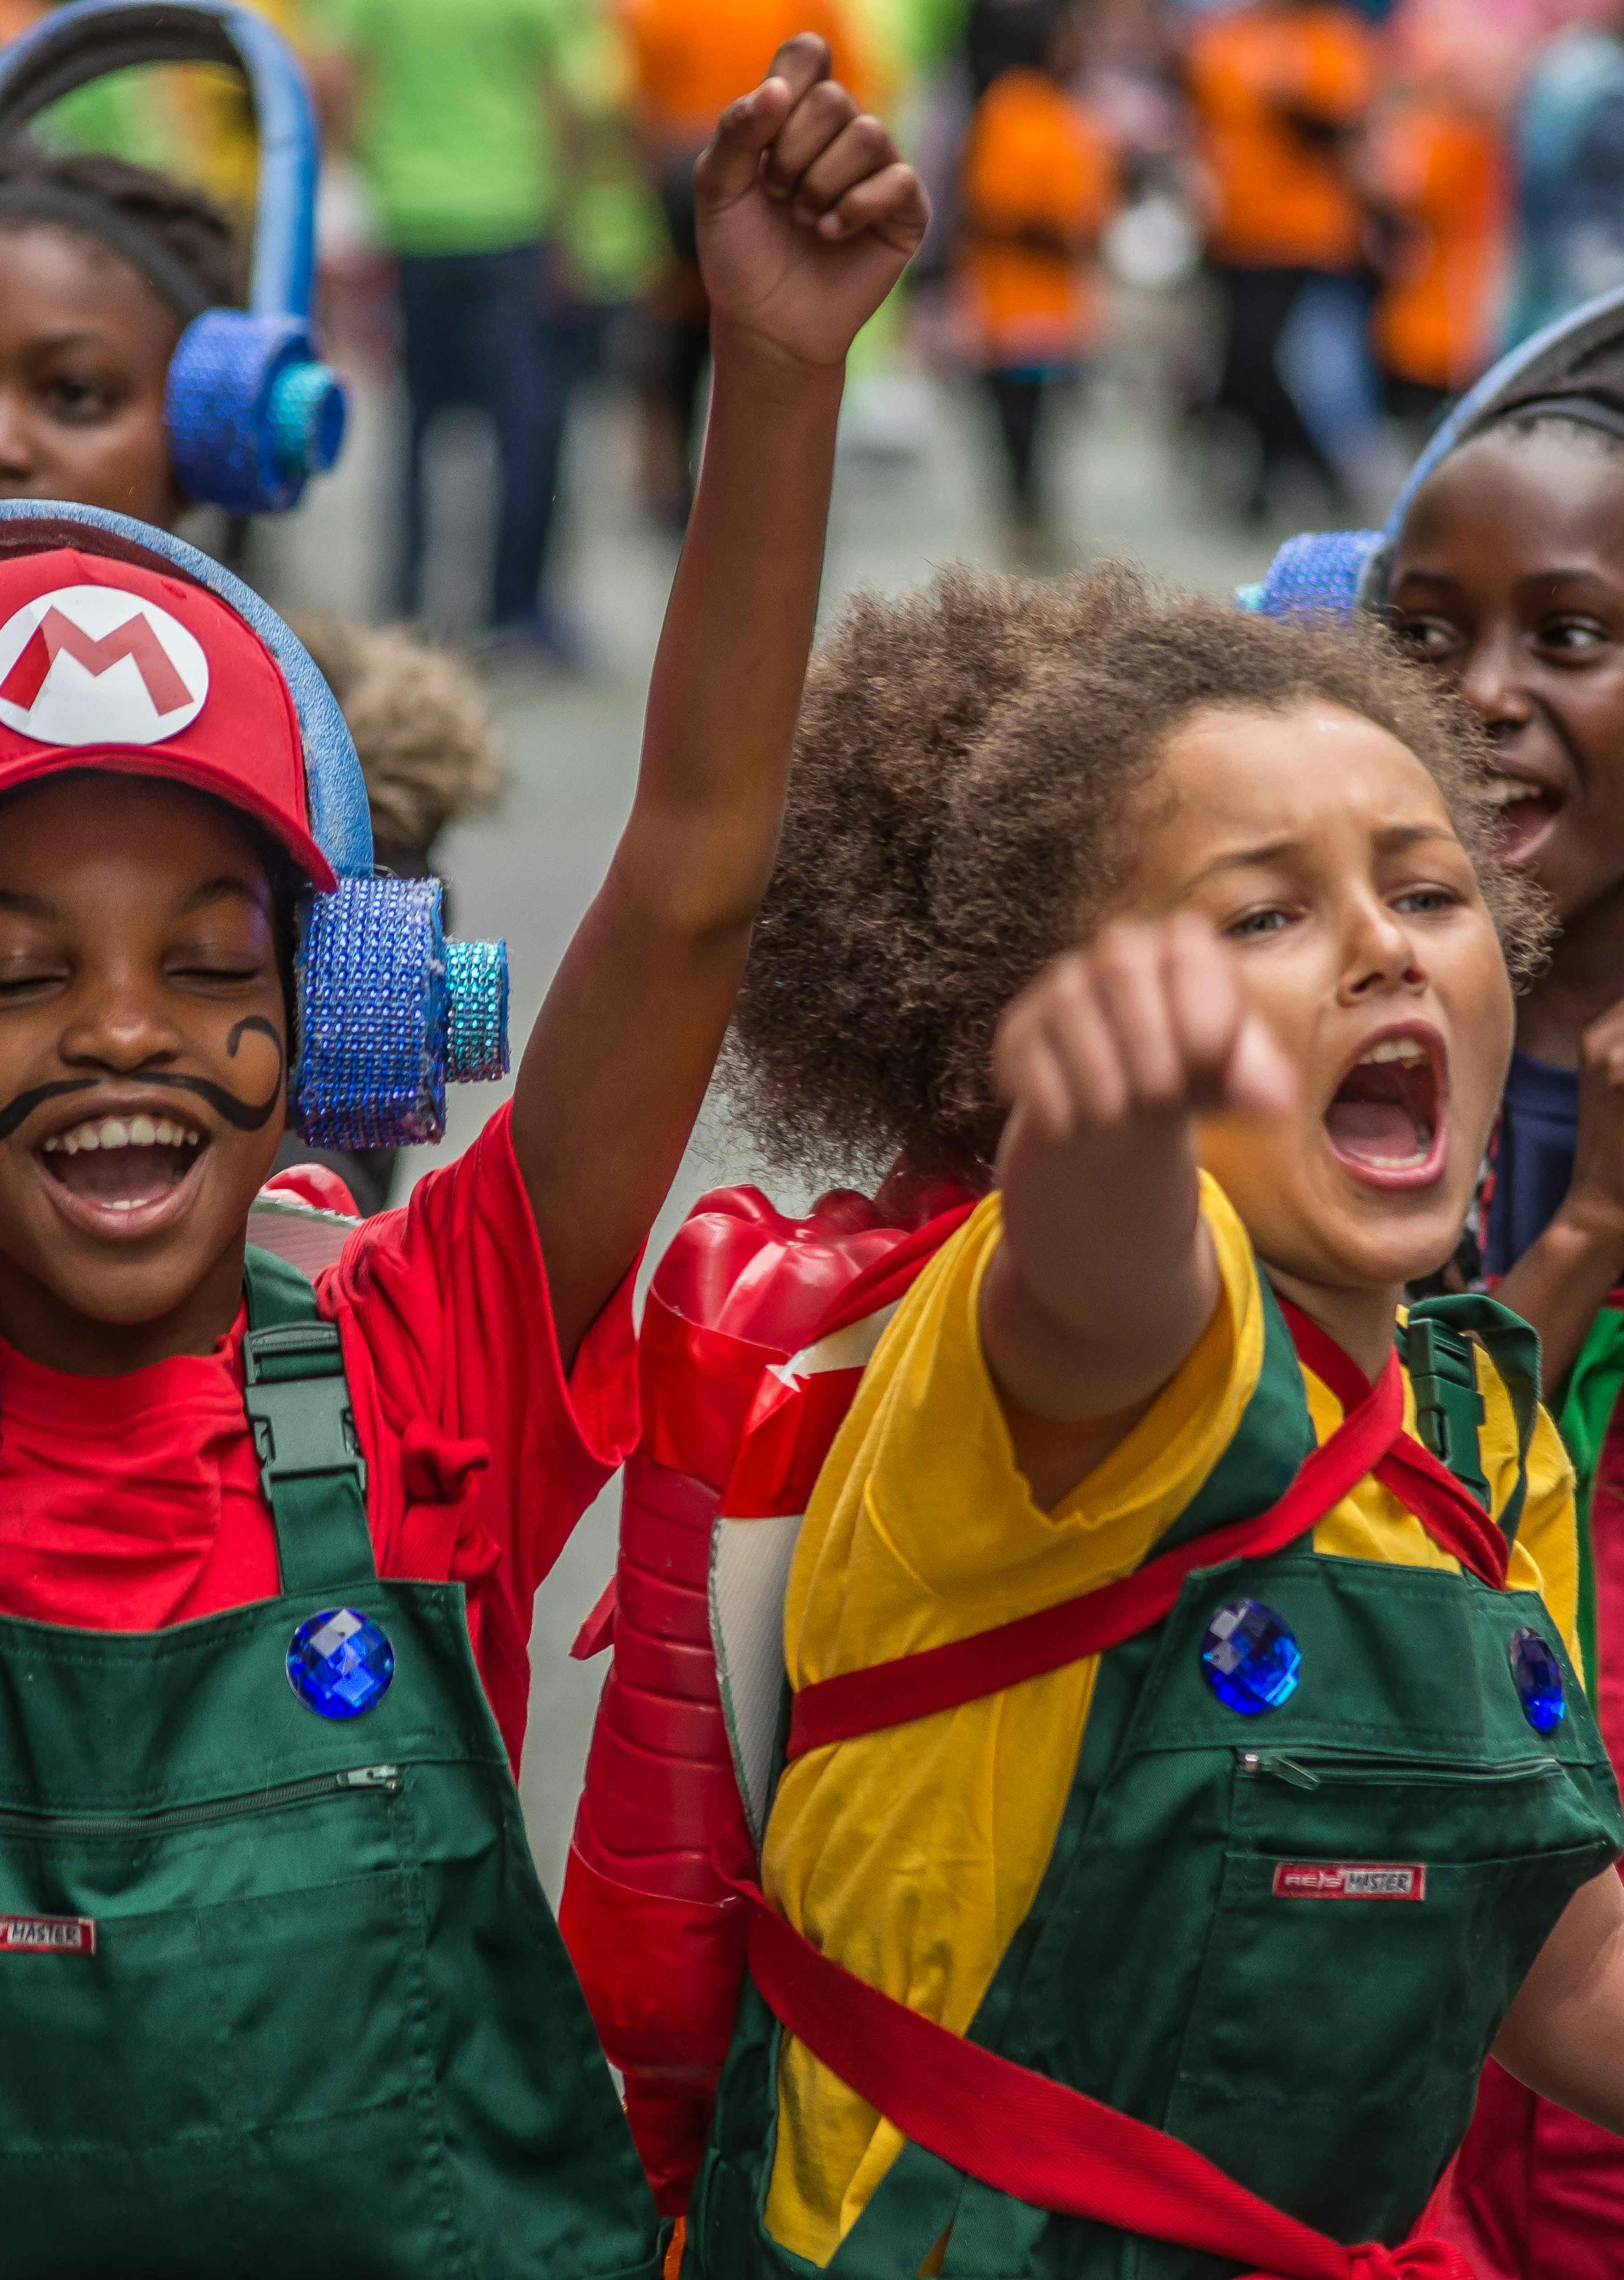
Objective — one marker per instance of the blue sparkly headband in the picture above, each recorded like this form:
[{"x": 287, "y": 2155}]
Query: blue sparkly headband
[{"x": 388, "y": 1011}]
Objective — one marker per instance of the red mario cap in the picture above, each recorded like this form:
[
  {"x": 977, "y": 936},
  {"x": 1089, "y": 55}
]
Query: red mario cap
[{"x": 107, "y": 665}]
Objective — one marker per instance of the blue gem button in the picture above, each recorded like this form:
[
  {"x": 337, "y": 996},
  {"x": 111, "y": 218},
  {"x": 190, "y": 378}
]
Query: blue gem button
[
  {"x": 341, "y": 1663},
  {"x": 1251, "y": 1657},
  {"x": 1538, "y": 1678}
]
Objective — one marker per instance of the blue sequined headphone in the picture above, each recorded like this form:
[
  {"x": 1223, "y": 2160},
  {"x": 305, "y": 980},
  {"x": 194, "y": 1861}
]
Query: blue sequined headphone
[
  {"x": 251, "y": 410},
  {"x": 1577, "y": 363},
  {"x": 388, "y": 1011}
]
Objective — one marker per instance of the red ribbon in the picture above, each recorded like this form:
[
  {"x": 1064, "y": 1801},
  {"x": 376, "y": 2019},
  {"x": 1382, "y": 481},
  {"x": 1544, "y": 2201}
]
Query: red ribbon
[{"x": 1036, "y": 2139}]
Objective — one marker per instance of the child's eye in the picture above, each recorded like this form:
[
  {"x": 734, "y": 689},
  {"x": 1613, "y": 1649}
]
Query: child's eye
[
  {"x": 19, "y": 982},
  {"x": 78, "y": 401},
  {"x": 1573, "y": 637},
  {"x": 1251, "y": 925},
  {"x": 1433, "y": 638},
  {"x": 217, "y": 973},
  {"x": 1426, "y": 902}
]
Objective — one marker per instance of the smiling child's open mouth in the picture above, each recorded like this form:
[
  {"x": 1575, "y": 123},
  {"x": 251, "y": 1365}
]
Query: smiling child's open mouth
[
  {"x": 1526, "y": 811},
  {"x": 1385, "y": 1122},
  {"x": 121, "y": 1163}
]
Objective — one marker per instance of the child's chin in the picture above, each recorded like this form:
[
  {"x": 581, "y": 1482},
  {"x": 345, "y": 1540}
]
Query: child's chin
[
  {"x": 1404, "y": 1246},
  {"x": 135, "y": 1292}
]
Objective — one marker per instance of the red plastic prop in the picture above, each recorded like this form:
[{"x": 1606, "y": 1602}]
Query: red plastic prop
[{"x": 656, "y": 1935}]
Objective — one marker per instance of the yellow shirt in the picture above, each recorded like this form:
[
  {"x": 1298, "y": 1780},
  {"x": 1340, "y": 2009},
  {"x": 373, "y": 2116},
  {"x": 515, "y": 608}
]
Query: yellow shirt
[{"x": 913, "y": 1854}]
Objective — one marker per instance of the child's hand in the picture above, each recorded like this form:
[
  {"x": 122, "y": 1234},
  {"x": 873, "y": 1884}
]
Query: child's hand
[
  {"x": 1149, "y": 1020},
  {"x": 806, "y": 215},
  {"x": 1570, "y": 1268},
  {"x": 1596, "y": 1195}
]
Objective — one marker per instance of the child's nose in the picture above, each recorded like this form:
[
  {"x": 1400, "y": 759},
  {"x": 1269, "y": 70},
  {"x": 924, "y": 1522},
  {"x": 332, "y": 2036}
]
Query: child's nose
[
  {"x": 18, "y": 455},
  {"x": 1492, "y": 683},
  {"x": 1381, "y": 954},
  {"x": 123, "y": 1033}
]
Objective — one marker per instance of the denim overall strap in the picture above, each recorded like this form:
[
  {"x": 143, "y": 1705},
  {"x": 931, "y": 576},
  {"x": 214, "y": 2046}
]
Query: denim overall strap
[{"x": 297, "y": 1401}]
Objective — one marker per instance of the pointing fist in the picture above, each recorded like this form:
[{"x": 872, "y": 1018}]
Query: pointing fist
[
  {"x": 1147, "y": 1021},
  {"x": 806, "y": 215}
]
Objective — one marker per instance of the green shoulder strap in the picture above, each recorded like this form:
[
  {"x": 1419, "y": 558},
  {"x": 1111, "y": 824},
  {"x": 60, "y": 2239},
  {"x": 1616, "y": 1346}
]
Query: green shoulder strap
[
  {"x": 297, "y": 1401},
  {"x": 1449, "y": 1408}
]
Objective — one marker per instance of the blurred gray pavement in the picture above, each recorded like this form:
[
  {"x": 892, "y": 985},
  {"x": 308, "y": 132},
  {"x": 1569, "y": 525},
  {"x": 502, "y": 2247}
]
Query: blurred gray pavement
[{"x": 526, "y": 869}]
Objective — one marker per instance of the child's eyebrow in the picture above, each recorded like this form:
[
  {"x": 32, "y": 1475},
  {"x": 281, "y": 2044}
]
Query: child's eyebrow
[
  {"x": 221, "y": 890},
  {"x": 1535, "y": 581},
  {"x": 1237, "y": 859},
  {"x": 1391, "y": 841},
  {"x": 27, "y": 906}
]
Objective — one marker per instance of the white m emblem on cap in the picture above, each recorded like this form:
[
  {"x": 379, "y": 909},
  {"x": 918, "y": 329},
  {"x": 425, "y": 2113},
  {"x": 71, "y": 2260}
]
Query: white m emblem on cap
[{"x": 94, "y": 665}]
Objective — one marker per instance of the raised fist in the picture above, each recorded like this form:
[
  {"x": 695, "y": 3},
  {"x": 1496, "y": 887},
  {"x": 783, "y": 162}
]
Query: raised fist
[{"x": 806, "y": 215}]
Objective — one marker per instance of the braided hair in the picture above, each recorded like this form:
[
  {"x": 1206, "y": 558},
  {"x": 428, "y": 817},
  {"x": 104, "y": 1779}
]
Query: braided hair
[{"x": 177, "y": 237}]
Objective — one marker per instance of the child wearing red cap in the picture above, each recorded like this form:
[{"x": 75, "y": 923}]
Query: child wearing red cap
[
  {"x": 101, "y": 267},
  {"x": 270, "y": 1979}
]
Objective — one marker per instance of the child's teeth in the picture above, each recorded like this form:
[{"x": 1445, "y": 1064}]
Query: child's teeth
[
  {"x": 121, "y": 1132},
  {"x": 1394, "y": 1048}
]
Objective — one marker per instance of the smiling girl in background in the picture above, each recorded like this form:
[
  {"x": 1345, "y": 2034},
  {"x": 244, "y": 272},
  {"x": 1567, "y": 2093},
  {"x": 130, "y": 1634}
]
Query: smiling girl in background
[{"x": 1507, "y": 576}]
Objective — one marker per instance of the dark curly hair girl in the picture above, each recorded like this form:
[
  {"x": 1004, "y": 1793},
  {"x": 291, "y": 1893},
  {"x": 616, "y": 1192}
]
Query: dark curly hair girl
[
  {"x": 963, "y": 772},
  {"x": 178, "y": 238}
]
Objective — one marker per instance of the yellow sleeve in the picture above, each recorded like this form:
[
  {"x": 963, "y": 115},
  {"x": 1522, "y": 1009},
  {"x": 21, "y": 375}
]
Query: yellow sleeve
[{"x": 922, "y": 1527}]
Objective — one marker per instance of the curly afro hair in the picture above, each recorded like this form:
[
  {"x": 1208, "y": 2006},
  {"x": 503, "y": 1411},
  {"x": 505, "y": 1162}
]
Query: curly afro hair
[{"x": 964, "y": 764}]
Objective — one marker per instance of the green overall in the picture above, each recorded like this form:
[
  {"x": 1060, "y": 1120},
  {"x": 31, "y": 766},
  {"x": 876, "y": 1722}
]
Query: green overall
[
  {"x": 1323, "y": 2051},
  {"x": 279, "y": 1992}
]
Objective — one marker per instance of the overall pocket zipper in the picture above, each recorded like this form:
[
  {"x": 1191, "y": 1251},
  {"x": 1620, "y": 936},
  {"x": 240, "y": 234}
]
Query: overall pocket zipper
[
  {"x": 1276, "y": 1765},
  {"x": 384, "y": 1778}
]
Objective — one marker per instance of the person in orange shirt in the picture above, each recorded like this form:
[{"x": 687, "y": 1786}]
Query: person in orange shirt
[
  {"x": 1280, "y": 89},
  {"x": 1038, "y": 180},
  {"x": 1438, "y": 178},
  {"x": 1443, "y": 183},
  {"x": 690, "y": 59}
]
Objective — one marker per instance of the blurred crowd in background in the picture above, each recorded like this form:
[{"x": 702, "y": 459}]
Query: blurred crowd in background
[{"x": 1317, "y": 220}]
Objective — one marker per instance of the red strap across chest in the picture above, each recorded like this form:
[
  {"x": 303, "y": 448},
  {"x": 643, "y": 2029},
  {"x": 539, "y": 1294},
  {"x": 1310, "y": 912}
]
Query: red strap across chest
[
  {"x": 1050, "y": 2145},
  {"x": 1029, "y": 2135},
  {"x": 1370, "y": 1439},
  {"x": 1424, "y": 1485}
]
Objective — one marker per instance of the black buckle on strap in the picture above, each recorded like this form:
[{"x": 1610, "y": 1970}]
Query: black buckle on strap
[{"x": 297, "y": 1400}]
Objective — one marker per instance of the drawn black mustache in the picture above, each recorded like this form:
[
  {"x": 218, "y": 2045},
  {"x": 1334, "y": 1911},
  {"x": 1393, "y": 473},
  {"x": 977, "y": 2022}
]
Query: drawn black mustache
[{"x": 244, "y": 1116}]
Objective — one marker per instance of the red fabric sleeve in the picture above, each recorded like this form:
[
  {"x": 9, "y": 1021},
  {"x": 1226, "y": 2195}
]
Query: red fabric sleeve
[{"x": 484, "y": 1456}]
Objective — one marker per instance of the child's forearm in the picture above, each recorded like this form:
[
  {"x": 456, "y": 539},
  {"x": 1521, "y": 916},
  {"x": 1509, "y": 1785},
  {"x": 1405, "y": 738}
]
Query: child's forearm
[
  {"x": 1560, "y": 1281},
  {"x": 1564, "y": 2036},
  {"x": 727, "y": 683},
  {"x": 632, "y": 1023},
  {"x": 806, "y": 217},
  {"x": 1106, "y": 1276}
]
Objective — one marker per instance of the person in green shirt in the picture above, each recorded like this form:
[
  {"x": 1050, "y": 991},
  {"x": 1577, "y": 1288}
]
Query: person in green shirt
[{"x": 451, "y": 111}]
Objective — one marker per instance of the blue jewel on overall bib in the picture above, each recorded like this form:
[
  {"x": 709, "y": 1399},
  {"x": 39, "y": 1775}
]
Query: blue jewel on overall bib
[
  {"x": 1537, "y": 1676},
  {"x": 340, "y": 1663},
  {"x": 1250, "y": 1658}
]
